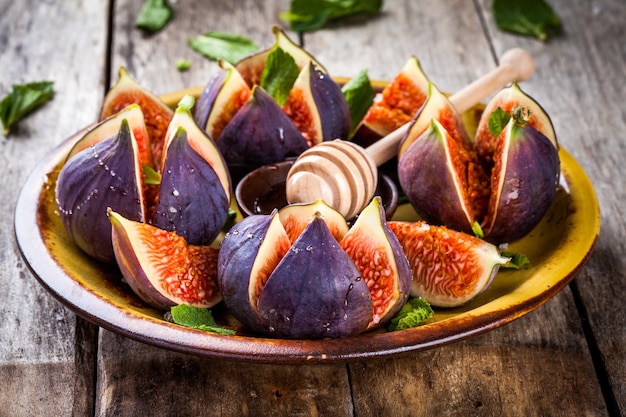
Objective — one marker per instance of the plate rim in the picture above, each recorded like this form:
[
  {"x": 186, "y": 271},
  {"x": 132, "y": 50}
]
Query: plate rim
[{"x": 170, "y": 336}]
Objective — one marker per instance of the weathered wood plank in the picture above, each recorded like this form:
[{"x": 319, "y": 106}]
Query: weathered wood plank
[
  {"x": 46, "y": 353},
  {"x": 580, "y": 79},
  {"x": 498, "y": 373}
]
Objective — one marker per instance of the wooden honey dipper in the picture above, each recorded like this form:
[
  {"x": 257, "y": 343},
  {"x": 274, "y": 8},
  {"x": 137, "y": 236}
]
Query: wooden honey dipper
[{"x": 345, "y": 175}]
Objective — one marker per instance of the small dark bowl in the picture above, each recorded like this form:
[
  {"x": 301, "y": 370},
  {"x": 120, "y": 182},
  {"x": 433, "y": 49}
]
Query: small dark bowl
[{"x": 263, "y": 190}]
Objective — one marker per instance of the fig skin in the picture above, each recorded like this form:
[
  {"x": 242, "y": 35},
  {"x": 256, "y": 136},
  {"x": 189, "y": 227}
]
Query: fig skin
[
  {"x": 191, "y": 200},
  {"x": 315, "y": 291},
  {"x": 107, "y": 174},
  {"x": 525, "y": 181},
  {"x": 239, "y": 281},
  {"x": 260, "y": 133}
]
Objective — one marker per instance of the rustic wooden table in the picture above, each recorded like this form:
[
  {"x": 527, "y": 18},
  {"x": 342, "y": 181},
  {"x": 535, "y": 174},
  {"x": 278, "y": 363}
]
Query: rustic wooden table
[{"x": 566, "y": 358}]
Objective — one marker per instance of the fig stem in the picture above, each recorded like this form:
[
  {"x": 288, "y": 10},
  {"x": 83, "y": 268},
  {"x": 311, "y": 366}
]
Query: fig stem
[{"x": 515, "y": 65}]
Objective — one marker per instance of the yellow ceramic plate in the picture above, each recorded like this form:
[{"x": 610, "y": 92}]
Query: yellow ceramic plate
[{"x": 557, "y": 248}]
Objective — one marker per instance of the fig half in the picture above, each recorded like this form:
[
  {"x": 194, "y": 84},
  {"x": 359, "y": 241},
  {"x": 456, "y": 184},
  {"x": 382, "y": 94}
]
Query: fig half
[
  {"x": 105, "y": 174},
  {"x": 450, "y": 268},
  {"x": 161, "y": 267}
]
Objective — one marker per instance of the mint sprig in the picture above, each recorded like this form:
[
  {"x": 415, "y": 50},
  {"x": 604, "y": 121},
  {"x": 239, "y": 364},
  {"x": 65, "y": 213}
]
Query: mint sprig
[
  {"x": 279, "y": 75},
  {"x": 498, "y": 120},
  {"x": 528, "y": 17},
  {"x": 197, "y": 318},
  {"x": 518, "y": 260},
  {"x": 154, "y": 15},
  {"x": 310, "y": 15},
  {"x": 220, "y": 45},
  {"x": 360, "y": 95},
  {"x": 413, "y": 313}
]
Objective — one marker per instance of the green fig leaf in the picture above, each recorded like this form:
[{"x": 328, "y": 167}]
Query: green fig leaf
[
  {"x": 529, "y": 17},
  {"x": 220, "y": 45},
  {"x": 310, "y": 15},
  {"x": 360, "y": 95},
  {"x": 23, "y": 99},
  {"x": 197, "y": 318},
  {"x": 498, "y": 120},
  {"x": 154, "y": 15},
  {"x": 279, "y": 75},
  {"x": 413, "y": 313}
]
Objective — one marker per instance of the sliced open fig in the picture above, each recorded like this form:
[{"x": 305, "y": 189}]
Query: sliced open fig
[
  {"x": 106, "y": 174},
  {"x": 225, "y": 93},
  {"x": 398, "y": 102},
  {"x": 376, "y": 252},
  {"x": 449, "y": 268},
  {"x": 195, "y": 189},
  {"x": 161, "y": 267},
  {"x": 318, "y": 107},
  {"x": 156, "y": 113},
  {"x": 295, "y": 217}
]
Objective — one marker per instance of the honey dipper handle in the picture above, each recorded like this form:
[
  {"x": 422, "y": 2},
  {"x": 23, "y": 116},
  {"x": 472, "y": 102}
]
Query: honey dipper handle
[{"x": 515, "y": 65}]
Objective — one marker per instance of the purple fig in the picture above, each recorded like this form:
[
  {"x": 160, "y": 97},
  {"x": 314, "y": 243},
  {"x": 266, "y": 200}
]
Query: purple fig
[{"x": 105, "y": 175}]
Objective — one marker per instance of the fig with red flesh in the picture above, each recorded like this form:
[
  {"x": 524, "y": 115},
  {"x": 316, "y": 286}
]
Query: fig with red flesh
[
  {"x": 251, "y": 67},
  {"x": 161, "y": 267},
  {"x": 195, "y": 190},
  {"x": 502, "y": 185},
  {"x": 318, "y": 107},
  {"x": 313, "y": 286},
  {"x": 260, "y": 133},
  {"x": 225, "y": 93},
  {"x": 157, "y": 114},
  {"x": 105, "y": 174},
  {"x": 398, "y": 102},
  {"x": 450, "y": 268}
]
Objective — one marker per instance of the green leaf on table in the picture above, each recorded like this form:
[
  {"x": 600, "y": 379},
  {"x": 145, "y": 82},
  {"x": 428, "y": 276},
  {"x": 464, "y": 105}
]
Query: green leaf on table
[
  {"x": 23, "y": 99},
  {"x": 518, "y": 260},
  {"x": 220, "y": 45},
  {"x": 154, "y": 15},
  {"x": 183, "y": 64},
  {"x": 279, "y": 75},
  {"x": 359, "y": 94},
  {"x": 498, "y": 120},
  {"x": 527, "y": 17},
  {"x": 197, "y": 318},
  {"x": 413, "y": 313},
  {"x": 310, "y": 15}
]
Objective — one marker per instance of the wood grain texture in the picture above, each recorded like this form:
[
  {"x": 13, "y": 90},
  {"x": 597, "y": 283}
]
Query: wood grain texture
[
  {"x": 46, "y": 353},
  {"x": 579, "y": 79}
]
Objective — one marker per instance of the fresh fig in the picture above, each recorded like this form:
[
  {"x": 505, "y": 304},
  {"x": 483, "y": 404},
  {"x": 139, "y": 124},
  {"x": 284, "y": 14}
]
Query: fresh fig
[
  {"x": 318, "y": 107},
  {"x": 498, "y": 185},
  {"x": 106, "y": 174},
  {"x": 313, "y": 286},
  {"x": 524, "y": 180},
  {"x": 398, "y": 102},
  {"x": 381, "y": 261},
  {"x": 161, "y": 267},
  {"x": 225, "y": 93},
  {"x": 450, "y": 268},
  {"x": 251, "y": 67},
  {"x": 157, "y": 114},
  {"x": 260, "y": 133},
  {"x": 195, "y": 190}
]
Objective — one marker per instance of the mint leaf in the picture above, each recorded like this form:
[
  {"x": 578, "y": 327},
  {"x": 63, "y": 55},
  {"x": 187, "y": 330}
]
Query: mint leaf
[
  {"x": 151, "y": 177},
  {"x": 154, "y": 15},
  {"x": 498, "y": 120},
  {"x": 527, "y": 17},
  {"x": 360, "y": 95},
  {"x": 310, "y": 15},
  {"x": 183, "y": 64},
  {"x": 279, "y": 75},
  {"x": 518, "y": 260},
  {"x": 413, "y": 313},
  {"x": 220, "y": 45},
  {"x": 197, "y": 318},
  {"x": 23, "y": 99}
]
